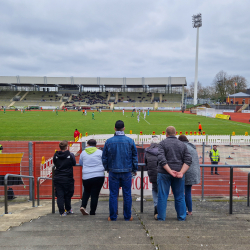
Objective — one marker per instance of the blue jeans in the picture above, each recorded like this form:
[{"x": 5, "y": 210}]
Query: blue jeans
[
  {"x": 117, "y": 180},
  {"x": 155, "y": 193},
  {"x": 164, "y": 182},
  {"x": 188, "y": 197}
]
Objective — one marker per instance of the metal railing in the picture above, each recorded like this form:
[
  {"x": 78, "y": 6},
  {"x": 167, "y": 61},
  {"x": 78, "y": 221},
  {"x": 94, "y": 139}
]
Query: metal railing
[
  {"x": 231, "y": 181},
  {"x": 248, "y": 187},
  {"x": 32, "y": 194},
  {"x": 202, "y": 166},
  {"x": 38, "y": 188}
]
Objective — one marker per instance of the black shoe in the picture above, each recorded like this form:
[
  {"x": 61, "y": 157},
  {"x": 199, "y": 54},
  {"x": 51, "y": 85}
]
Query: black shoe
[
  {"x": 211, "y": 173},
  {"x": 217, "y": 173},
  {"x": 155, "y": 211}
]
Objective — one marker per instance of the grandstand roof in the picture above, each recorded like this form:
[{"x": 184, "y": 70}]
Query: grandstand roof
[{"x": 93, "y": 81}]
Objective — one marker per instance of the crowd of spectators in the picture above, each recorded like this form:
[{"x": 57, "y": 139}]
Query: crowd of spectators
[
  {"x": 139, "y": 98},
  {"x": 90, "y": 98}
]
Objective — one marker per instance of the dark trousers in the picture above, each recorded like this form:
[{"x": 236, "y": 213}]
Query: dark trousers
[
  {"x": 92, "y": 188},
  {"x": 215, "y": 168},
  {"x": 64, "y": 192}
]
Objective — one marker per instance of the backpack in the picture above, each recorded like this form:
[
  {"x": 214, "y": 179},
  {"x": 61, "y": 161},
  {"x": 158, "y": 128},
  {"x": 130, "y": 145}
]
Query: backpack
[{"x": 10, "y": 194}]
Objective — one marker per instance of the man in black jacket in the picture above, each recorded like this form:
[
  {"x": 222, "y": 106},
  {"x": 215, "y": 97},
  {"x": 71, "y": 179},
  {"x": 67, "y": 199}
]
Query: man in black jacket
[
  {"x": 63, "y": 178},
  {"x": 173, "y": 161}
]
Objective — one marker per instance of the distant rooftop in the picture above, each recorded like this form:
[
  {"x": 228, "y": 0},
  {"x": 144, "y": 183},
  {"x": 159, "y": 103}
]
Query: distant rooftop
[{"x": 240, "y": 94}]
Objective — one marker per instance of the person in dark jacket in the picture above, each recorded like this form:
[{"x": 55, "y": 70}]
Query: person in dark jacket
[
  {"x": 173, "y": 162},
  {"x": 63, "y": 178},
  {"x": 151, "y": 160},
  {"x": 193, "y": 174}
]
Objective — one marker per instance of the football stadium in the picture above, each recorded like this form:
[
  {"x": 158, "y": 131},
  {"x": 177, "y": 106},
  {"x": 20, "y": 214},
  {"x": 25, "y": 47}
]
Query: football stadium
[{"x": 38, "y": 112}]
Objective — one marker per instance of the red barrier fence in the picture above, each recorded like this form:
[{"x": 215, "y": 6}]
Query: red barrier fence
[{"x": 42, "y": 153}]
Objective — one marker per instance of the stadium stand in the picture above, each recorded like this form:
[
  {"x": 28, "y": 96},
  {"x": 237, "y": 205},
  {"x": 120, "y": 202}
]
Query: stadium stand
[
  {"x": 87, "y": 99},
  {"x": 7, "y": 97},
  {"x": 92, "y": 92}
]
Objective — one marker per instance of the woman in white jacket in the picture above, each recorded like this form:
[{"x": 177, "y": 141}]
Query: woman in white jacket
[{"x": 92, "y": 176}]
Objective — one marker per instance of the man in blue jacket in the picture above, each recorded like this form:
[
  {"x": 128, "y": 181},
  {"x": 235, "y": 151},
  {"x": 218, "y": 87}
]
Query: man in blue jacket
[{"x": 120, "y": 159}]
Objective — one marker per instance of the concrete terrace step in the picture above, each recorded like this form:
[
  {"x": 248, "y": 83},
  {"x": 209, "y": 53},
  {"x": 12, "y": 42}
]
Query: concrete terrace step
[
  {"x": 76, "y": 246},
  {"x": 210, "y": 227}
]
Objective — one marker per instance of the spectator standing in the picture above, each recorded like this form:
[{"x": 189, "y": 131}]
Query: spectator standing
[
  {"x": 92, "y": 176},
  {"x": 63, "y": 178},
  {"x": 76, "y": 134},
  {"x": 120, "y": 159},
  {"x": 215, "y": 159},
  {"x": 151, "y": 161},
  {"x": 173, "y": 162},
  {"x": 193, "y": 174}
]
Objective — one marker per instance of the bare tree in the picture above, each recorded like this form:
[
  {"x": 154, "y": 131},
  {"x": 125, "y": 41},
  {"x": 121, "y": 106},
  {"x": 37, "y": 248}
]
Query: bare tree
[
  {"x": 191, "y": 89},
  {"x": 222, "y": 85},
  {"x": 225, "y": 85},
  {"x": 241, "y": 84}
]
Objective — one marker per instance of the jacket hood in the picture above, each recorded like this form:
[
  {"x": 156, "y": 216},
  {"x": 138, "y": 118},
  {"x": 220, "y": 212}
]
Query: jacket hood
[
  {"x": 90, "y": 150},
  {"x": 62, "y": 154},
  {"x": 190, "y": 144},
  {"x": 153, "y": 149}
]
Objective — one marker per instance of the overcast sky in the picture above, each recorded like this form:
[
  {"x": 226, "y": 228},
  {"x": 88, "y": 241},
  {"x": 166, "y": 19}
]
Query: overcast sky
[{"x": 124, "y": 38}]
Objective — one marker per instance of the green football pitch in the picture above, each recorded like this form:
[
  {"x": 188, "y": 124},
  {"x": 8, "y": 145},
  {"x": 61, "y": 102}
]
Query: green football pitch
[{"x": 46, "y": 125}]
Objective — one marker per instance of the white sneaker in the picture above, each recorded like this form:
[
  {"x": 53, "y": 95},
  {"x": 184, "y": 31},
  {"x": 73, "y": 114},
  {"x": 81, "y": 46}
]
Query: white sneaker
[
  {"x": 83, "y": 211},
  {"x": 64, "y": 214},
  {"x": 70, "y": 211}
]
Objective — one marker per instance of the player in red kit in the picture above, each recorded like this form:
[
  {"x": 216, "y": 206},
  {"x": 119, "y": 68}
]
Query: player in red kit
[{"x": 76, "y": 134}]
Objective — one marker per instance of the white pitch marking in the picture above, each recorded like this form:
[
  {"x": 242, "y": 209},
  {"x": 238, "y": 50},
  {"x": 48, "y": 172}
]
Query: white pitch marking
[{"x": 146, "y": 121}]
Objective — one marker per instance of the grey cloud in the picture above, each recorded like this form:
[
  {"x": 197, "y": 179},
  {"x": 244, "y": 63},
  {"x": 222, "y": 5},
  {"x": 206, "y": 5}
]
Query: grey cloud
[{"x": 123, "y": 38}]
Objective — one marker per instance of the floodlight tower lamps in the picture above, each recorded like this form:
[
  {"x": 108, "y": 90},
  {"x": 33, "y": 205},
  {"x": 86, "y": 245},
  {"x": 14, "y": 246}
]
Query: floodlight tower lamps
[{"x": 197, "y": 23}]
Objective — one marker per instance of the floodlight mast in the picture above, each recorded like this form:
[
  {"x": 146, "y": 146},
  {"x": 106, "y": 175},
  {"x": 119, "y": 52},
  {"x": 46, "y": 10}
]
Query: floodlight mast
[{"x": 197, "y": 23}]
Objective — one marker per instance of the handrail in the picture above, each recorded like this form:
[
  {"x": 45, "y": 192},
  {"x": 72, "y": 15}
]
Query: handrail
[
  {"x": 38, "y": 184},
  {"x": 5, "y": 189},
  {"x": 142, "y": 176},
  {"x": 248, "y": 186},
  {"x": 202, "y": 165},
  {"x": 231, "y": 180}
]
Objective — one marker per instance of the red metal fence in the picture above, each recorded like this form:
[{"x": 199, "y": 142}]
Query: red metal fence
[{"x": 41, "y": 164}]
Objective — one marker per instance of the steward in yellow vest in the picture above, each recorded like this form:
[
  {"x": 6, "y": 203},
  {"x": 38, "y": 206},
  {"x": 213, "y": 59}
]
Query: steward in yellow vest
[
  {"x": 215, "y": 158},
  {"x": 1, "y": 149}
]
